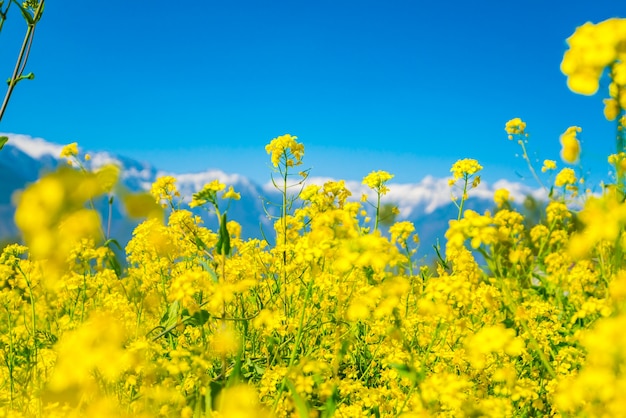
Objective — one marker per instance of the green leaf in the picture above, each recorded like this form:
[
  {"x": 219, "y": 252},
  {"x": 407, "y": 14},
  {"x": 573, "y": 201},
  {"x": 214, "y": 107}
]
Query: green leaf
[
  {"x": 330, "y": 406},
  {"x": 171, "y": 316},
  {"x": 214, "y": 390},
  {"x": 201, "y": 317},
  {"x": 3, "y": 140},
  {"x": 112, "y": 241},
  {"x": 223, "y": 242},
  {"x": 112, "y": 259},
  {"x": 406, "y": 371}
]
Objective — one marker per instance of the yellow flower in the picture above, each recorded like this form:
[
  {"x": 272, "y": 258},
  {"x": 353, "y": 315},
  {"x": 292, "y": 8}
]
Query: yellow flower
[
  {"x": 209, "y": 194},
  {"x": 285, "y": 147},
  {"x": 501, "y": 196},
  {"x": 231, "y": 194},
  {"x": 240, "y": 401},
  {"x": 565, "y": 177},
  {"x": 400, "y": 232},
  {"x": 570, "y": 150},
  {"x": 465, "y": 168},
  {"x": 514, "y": 127},
  {"x": 164, "y": 189},
  {"x": 592, "y": 49},
  {"x": 225, "y": 341},
  {"x": 611, "y": 109},
  {"x": 141, "y": 205},
  {"x": 70, "y": 150},
  {"x": 548, "y": 165},
  {"x": 377, "y": 180}
]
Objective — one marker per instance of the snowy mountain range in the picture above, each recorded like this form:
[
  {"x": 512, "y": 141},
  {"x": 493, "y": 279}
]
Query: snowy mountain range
[{"x": 426, "y": 203}]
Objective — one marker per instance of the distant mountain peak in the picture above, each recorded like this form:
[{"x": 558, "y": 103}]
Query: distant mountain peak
[
  {"x": 427, "y": 203},
  {"x": 35, "y": 148}
]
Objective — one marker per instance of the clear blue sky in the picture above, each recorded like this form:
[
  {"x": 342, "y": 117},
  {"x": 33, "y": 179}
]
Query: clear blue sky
[{"x": 403, "y": 86}]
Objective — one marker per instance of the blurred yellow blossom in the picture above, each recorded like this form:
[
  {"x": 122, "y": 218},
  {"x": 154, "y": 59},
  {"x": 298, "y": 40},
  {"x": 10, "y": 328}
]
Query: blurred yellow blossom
[
  {"x": 501, "y": 197},
  {"x": 548, "y": 165},
  {"x": 515, "y": 127},
  {"x": 570, "y": 150},
  {"x": 70, "y": 150},
  {"x": 565, "y": 177},
  {"x": 611, "y": 109},
  {"x": 592, "y": 48}
]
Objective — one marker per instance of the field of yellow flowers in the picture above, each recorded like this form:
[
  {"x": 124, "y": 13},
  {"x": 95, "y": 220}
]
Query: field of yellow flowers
[{"x": 334, "y": 318}]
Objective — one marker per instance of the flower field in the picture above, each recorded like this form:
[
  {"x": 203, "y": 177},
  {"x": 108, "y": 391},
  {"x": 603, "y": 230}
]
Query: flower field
[{"x": 331, "y": 315}]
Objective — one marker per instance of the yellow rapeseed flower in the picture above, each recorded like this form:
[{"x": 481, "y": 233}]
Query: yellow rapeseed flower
[
  {"x": 570, "y": 150},
  {"x": 593, "y": 47},
  {"x": 565, "y": 177},
  {"x": 548, "y": 165},
  {"x": 70, "y": 150},
  {"x": 515, "y": 127},
  {"x": 400, "y": 232},
  {"x": 465, "y": 168},
  {"x": 285, "y": 147},
  {"x": 231, "y": 194},
  {"x": 611, "y": 109},
  {"x": 501, "y": 197},
  {"x": 164, "y": 189},
  {"x": 377, "y": 180}
]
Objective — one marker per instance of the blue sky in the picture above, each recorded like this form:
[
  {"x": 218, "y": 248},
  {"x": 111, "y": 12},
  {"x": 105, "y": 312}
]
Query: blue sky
[{"x": 403, "y": 86}]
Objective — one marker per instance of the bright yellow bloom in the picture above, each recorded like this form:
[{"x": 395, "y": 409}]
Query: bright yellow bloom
[
  {"x": 231, "y": 194},
  {"x": 400, "y": 232},
  {"x": 70, "y": 150},
  {"x": 240, "y": 401},
  {"x": 501, "y": 196},
  {"x": 618, "y": 161},
  {"x": 164, "y": 189},
  {"x": 107, "y": 177},
  {"x": 570, "y": 150},
  {"x": 377, "y": 180},
  {"x": 592, "y": 49},
  {"x": 514, "y": 127},
  {"x": 287, "y": 148},
  {"x": 565, "y": 177},
  {"x": 611, "y": 109},
  {"x": 548, "y": 165},
  {"x": 141, "y": 205},
  {"x": 465, "y": 168},
  {"x": 209, "y": 194},
  {"x": 225, "y": 341}
]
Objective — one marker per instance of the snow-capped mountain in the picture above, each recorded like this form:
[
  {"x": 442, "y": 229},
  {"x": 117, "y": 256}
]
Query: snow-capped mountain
[{"x": 426, "y": 203}]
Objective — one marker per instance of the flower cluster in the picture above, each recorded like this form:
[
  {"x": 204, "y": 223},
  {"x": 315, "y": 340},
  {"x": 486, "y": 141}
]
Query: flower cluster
[
  {"x": 285, "y": 148},
  {"x": 592, "y": 48},
  {"x": 570, "y": 150}
]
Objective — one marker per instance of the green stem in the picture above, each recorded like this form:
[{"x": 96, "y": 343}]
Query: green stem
[
  {"x": 22, "y": 57},
  {"x": 297, "y": 342},
  {"x": 377, "y": 211},
  {"x": 10, "y": 357},
  {"x": 3, "y": 15},
  {"x": 463, "y": 198},
  {"x": 530, "y": 166}
]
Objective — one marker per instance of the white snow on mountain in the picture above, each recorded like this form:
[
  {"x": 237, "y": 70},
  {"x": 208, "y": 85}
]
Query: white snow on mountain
[
  {"x": 33, "y": 147},
  {"x": 430, "y": 193},
  {"x": 425, "y": 196}
]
